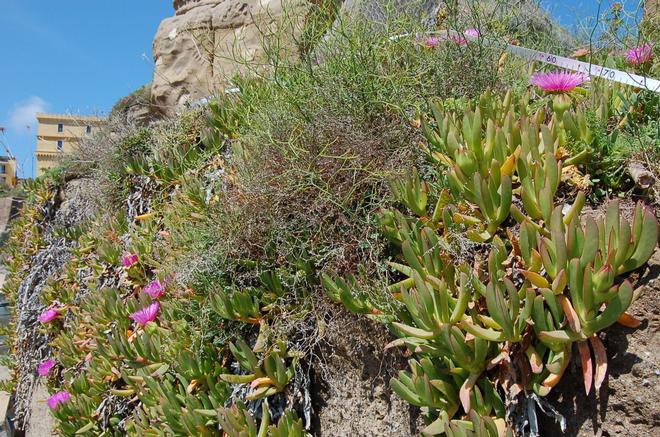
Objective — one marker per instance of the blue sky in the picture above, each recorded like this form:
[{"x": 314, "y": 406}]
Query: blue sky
[
  {"x": 77, "y": 56},
  {"x": 578, "y": 14},
  {"x": 81, "y": 56}
]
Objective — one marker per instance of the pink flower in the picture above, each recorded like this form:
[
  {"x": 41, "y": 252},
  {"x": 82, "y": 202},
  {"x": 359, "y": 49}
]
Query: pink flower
[
  {"x": 558, "y": 81},
  {"x": 48, "y": 316},
  {"x": 146, "y": 315},
  {"x": 57, "y": 399},
  {"x": 472, "y": 32},
  {"x": 129, "y": 259},
  {"x": 432, "y": 42},
  {"x": 459, "y": 39},
  {"x": 640, "y": 54},
  {"x": 155, "y": 289},
  {"x": 44, "y": 368}
]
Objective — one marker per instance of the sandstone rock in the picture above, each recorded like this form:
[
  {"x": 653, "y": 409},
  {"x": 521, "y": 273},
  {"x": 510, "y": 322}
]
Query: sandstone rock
[
  {"x": 652, "y": 9},
  {"x": 353, "y": 397},
  {"x": 206, "y": 42},
  {"x": 42, "y": 423},
  {"x": 198, "y": 50},
  {"x": 135, "y": 108},
  {"x": 379, "y": 11},
  {"x": 524, "y": 17}
]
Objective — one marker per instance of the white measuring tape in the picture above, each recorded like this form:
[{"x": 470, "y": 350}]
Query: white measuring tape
[{"x": 592, "y": 70}]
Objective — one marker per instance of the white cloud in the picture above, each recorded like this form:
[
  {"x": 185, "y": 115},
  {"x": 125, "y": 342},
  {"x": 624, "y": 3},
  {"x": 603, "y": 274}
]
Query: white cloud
[{"x": 23, "y": 115}]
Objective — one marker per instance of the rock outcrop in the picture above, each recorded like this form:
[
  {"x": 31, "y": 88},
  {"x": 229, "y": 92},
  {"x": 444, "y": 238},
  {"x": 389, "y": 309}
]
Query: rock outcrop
[
  {"x": 205, "y": 43},
  {"x": 197, "y": 51},
  {"x": 69, "y": 208},
  {"x": 516, "y": 16}
]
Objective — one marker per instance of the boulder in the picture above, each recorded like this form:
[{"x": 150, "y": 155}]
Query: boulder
[
  {"x": 205, "y": 43},
  {"x": 521, "y": 17}
]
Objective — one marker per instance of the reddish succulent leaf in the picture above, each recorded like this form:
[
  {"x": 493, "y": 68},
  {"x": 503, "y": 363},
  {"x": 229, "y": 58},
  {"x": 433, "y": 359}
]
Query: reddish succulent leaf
[
  {"x": 464, "y": 393},
  {"x": 261, "y": 381},
  {"x": 553, "y": 379},
  {"x": 497, "y": 360},
  {"x": 601, "y": 360},
  {"x": 571, "y": 315},
  {"x": 395, "y": 343},
  {"x": 587, "y": 367},
  {"x": 535, "y": 360},
  {"x": 628, "y": 321},
  {"x": 514, "y": 242}
]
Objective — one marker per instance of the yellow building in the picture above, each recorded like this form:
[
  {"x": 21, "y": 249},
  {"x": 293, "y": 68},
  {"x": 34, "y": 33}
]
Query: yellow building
[
  {"x": 8, "y": 171},
  {"x": 58, "y": 134}
]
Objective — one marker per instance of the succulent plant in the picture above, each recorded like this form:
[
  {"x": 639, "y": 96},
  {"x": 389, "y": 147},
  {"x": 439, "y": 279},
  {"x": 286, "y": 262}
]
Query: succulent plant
[
  {"x": 266, "y": 377},
  {"x": 412, "y": 192},
  {"x": 539, "y": 182},
  {"x": 550, "y": 285},
  {"x": 344, "y": 291},
  {"x": 508, "y": 319},
  {"x": 470, "y": 296},
  {"x": 473, "y": 425},
  {"x": 426, "y": 386},
  {"x": 240, "y": 305},
  {"x": 237, "y": 421}
]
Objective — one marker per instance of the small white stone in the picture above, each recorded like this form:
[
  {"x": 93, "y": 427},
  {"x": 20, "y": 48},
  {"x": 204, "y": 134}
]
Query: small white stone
[{"x": 172, "y": 34}]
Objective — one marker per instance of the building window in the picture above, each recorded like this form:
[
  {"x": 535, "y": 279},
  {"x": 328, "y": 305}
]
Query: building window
[
  {"x": 60, "y": 145},
  {"x": 60, "y": 127},
  {"x": 89, "y": 129},
  {"x": 3, "y": 180},
  {"x": 3, "y": 169}
]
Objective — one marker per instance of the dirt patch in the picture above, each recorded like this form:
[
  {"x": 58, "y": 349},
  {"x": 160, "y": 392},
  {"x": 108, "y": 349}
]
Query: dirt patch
[
  {"x": 352, "y": 396},
  {"x": 42, "y": 423},
  {"x": 629, "y": 402}
]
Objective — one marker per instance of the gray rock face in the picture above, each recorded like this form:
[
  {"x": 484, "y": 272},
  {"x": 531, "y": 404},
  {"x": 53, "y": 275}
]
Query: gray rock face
[
  {"x": 72, "y": 206},
  {"x": 77, "y": 203},
  {"x": 204, "y": 43},
  {"x": 32, "y": 345}
]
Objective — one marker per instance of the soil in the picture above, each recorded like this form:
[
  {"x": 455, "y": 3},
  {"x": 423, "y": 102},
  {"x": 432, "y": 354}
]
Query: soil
[
  {"x": 628, "y": 403},
  {"x": 352, "y": 395},
  {"x": 353, "y": 398}
]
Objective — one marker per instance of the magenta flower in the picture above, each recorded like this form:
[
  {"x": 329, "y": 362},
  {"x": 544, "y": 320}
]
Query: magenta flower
[
  {"x": 129, "y": 259},
  {"x": 459, "y": 39},
  {"x": 472, "y": 32},
  {"x": 155, "y": 289},
  {"x": 48, "y": 316},
  {"x": 432, "y": 42},
  {"x": 146, "y": 315},
  {"x": 640, "y": 54},
  {"x": 44, "y": 368},
  {"x": 558, "y": 81},
  {"x": 57, "y": 399}
]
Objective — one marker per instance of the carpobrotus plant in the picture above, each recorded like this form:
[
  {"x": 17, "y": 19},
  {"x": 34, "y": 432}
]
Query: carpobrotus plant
[
  {"x": 558, "y": 81},
  {"x": 639, "y": 55},
  {"x": 487, "y": 324}
]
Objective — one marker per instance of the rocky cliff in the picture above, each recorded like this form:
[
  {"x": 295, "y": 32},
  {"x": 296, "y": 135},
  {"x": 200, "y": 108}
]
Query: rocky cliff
[
  {"x": 204, "y": 43},
  {"x": 207, "y": 41}
]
